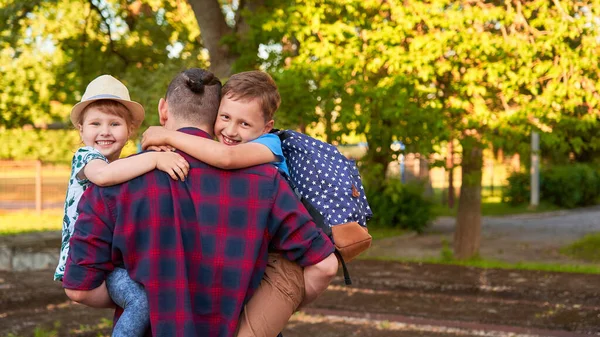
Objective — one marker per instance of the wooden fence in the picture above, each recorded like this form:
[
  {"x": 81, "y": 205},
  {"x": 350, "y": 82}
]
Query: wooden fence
[{"x": 32, "y": 185}]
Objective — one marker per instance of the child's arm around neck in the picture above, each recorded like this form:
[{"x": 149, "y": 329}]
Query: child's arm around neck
[
  {"x": 119, "y": 171},
  {"x": 210, "y": 151}
]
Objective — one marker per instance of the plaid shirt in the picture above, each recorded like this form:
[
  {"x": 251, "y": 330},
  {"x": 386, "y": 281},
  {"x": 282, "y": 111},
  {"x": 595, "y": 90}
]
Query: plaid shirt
[{"x": 199, "y": 247}]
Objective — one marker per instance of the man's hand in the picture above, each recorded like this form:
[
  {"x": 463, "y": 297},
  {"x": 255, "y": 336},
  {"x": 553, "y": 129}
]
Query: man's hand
[
  {"x": 96, "y": 298},
  {"x": 317, "y": 277},
  {"x": 155, "y": 136}
]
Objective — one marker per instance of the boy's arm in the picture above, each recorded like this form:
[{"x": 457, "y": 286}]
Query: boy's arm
[
  {"x": 210, "y": 151},
  {"x": 102, "y": 173}
]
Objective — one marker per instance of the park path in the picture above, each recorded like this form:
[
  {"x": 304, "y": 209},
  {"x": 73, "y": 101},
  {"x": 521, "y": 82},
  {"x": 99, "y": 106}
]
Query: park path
[{"x": 515, "y": 238}]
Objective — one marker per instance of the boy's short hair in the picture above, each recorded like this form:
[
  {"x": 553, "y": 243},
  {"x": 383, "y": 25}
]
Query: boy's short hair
[
  {"x": 194, "y": 95},
  {"x": 250, "y": 85}
]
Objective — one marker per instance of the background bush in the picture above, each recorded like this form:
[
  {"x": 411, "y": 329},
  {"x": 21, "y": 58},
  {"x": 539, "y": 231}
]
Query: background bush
[
  {"x": 568, "y": 186},
  {"x": 50, "y": 146},
  {"x": 518, "y": 190},
  {"x": 571, "y": 185},
  {"x": 401, "y": 205}
]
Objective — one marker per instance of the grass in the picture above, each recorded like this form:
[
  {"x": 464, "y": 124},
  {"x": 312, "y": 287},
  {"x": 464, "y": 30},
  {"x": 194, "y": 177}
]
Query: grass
[
  {"x": 590, "y": 245},
  {"x": 105, "y": 325},
  {"x": 495, "y": 207},
  {"x": 491, "y": 264},
  {"x": 587, "y": 248},
  {"x": 386, "y": 232},
  {"x": 19, "y": 222}
]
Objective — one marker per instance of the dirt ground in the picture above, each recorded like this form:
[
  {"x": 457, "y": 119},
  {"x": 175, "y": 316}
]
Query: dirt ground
[
  {"x": 386, "y": 299},
  {"x": 391, "y": 298}
]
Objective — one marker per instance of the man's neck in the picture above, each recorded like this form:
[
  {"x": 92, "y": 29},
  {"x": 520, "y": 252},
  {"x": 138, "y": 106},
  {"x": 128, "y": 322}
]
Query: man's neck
[{"x": 180, "y": 125}]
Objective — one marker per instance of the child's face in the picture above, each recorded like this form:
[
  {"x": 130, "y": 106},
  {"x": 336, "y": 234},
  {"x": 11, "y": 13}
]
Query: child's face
[
  {"x": 240, "y": 122},
  {"x": 106, "y": 133}
]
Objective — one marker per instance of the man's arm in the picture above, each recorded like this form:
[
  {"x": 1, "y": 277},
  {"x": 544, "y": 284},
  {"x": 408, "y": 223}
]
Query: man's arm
[
  {"x": 300, "y": 240},
  {"x": 317, "y": 277},
  {"x": 96, "y": 298},
  {"x": 90, "y": 250}
]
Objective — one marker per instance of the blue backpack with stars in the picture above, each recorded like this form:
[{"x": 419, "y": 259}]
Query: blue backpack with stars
[{"x": 329, "y": 186}]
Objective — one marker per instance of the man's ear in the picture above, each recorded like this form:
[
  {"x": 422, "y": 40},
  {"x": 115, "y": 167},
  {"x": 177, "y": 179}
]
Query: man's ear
[
  {"x": 163, "y": 111},
  {"x": 269, "y": 126}
]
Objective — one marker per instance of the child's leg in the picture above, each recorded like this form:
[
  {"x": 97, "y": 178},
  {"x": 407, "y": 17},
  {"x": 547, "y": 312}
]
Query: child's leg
[
  {"x": 130, "y": 296},
  {"x": 278, "y": 296}
]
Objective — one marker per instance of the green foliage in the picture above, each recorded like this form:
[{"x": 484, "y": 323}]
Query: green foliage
[
  {"x": 587, "y": 248},
  {"x": 421, "y": 72},
  {"x": 400, "y": 205},
  {"x": 518, "y": 189},
  {"x": 568, "y": 186},
  {"x": 51, "y": 49},
  {"x": 447, "y": 254},
  {"x": 571, "y": 185},
  {"x": 51, "y": 146}
]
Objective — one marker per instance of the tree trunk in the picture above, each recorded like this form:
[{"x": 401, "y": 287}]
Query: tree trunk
[
  {"x": 467, "y": 236},
  {"x": 377, "y": 160},
  {"x": 450, "y": 169},
  {"x": 213, "y": 28}
]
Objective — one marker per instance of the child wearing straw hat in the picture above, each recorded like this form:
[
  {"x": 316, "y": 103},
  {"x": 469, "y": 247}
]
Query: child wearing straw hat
[{"x": 106, "y": 118}]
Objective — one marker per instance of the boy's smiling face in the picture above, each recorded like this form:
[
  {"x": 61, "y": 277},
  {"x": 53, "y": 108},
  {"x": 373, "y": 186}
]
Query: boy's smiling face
[{"x": 240, "y": 122}]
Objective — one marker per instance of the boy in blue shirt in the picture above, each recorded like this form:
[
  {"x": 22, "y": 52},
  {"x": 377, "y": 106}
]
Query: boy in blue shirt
[{"x": 245, "y": 117}]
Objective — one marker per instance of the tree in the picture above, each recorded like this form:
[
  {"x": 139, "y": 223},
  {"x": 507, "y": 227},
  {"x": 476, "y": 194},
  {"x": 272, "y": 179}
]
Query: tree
[
  {"x": 351, "y": 55},
  {"x": 483, "y": 73},
  {"x": 50, "y": 49},
  {"x": 500, "y": 70}
]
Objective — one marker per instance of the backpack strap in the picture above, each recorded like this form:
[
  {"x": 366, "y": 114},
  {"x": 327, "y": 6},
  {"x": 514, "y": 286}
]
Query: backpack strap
[
  {"x": 347, "y": 280},
  {"x": 320, "y": 221}
]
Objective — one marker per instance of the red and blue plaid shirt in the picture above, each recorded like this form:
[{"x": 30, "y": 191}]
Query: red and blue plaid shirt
[{"x": 199, "y": 247}]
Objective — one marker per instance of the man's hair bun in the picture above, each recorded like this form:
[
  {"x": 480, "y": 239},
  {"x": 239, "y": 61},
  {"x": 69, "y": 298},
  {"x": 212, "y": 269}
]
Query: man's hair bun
[{"x": 194, "y": 79}]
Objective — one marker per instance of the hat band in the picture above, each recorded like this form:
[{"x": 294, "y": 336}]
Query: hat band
[{"x": 103, "y": 96}]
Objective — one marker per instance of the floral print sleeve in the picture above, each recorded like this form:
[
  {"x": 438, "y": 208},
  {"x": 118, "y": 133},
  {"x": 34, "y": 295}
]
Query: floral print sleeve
[{"x": 74, "y": 192}]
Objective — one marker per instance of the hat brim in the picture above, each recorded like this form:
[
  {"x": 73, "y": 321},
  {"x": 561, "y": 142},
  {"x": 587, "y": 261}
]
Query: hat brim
[{"x": 136, "y": 109}]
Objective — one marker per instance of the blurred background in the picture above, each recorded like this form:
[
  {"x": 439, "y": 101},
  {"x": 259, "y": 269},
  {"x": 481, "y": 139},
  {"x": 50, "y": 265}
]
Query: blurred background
[
  {"x": 443, "y": 92},
  {"x": 454, "y": 110}
]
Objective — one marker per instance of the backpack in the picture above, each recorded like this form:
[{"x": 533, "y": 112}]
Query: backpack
[{"x": 329, "y": 186}]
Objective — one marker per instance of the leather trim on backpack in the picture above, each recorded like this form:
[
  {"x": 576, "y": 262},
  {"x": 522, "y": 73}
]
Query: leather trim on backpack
[{"x": 351, "y": 239}]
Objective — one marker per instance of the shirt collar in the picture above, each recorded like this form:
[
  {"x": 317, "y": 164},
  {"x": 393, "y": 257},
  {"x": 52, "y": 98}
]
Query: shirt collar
[{"x": 195, "y": 132}]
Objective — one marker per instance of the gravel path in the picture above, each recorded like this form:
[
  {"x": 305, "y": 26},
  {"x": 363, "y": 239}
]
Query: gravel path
[{"x": 528, "y": 237}]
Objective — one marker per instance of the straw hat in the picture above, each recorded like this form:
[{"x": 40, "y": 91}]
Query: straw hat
[{"x": 108, "y": 87}]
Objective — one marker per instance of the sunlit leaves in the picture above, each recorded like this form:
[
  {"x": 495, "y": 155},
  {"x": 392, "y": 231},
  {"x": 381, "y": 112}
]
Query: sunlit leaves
[{"x": 50, "y": 49}]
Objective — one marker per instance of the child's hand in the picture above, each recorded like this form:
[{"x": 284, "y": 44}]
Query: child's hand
[
  {"x": 162, "y": 148},
  {"x": 155, "y": 136},
  {"x": 172, "y": 163}
]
